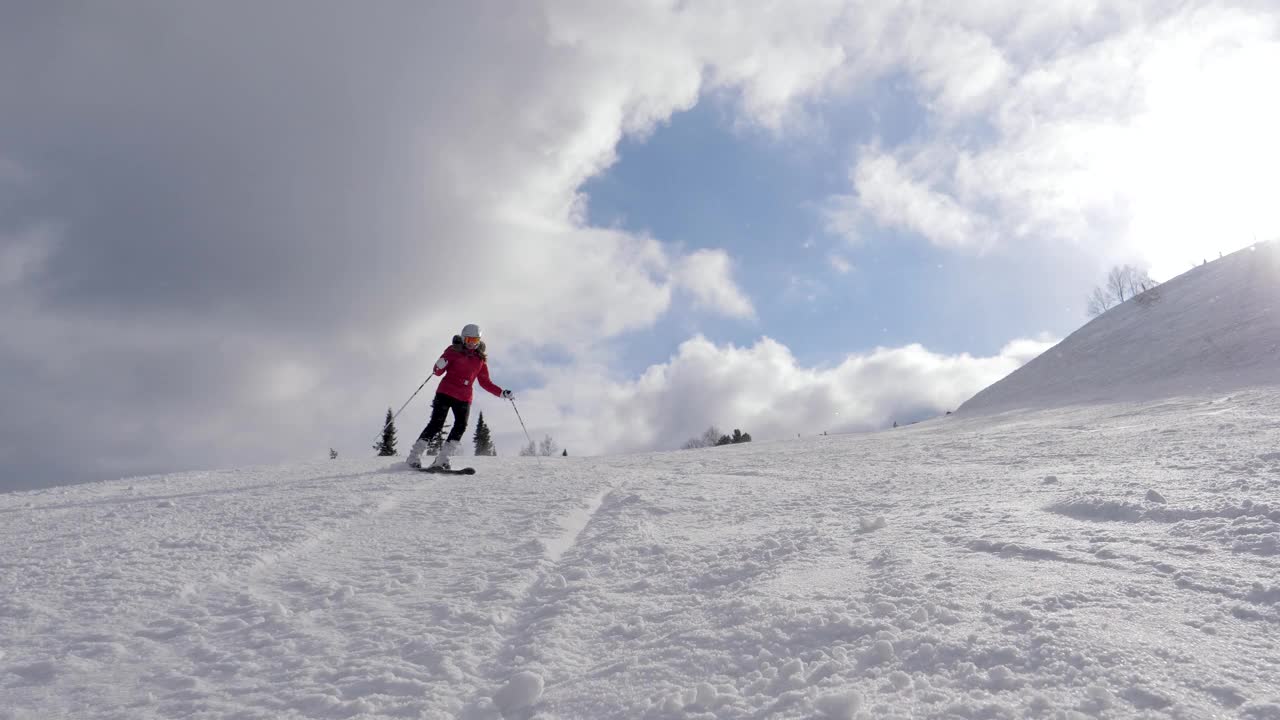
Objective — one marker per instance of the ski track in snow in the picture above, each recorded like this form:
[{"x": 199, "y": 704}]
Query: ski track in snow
[
  {"x": 304, "y": 577},
  {"x": 520, "y": 635},
  {"x": 1111, "y": 561}
]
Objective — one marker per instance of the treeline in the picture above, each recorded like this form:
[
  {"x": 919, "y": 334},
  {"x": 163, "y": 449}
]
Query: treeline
[{"x": 712, "y": 437}]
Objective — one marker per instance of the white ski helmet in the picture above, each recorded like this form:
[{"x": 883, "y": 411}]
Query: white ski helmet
[{"x": 471, "y": 334}]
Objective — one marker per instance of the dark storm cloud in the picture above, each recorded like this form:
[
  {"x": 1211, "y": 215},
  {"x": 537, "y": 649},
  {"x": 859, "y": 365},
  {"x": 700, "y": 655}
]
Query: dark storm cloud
[
  {"x": 220, "y": 159},
  {"x": 222, "y": 186}
]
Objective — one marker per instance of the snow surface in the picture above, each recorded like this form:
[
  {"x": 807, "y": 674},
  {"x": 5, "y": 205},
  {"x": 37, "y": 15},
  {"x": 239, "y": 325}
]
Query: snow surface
[
  {"x": 1210, "y": 330},
  {"x": 987, "y": 567}
]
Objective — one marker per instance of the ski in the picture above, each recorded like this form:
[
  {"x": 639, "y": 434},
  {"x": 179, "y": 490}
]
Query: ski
[{"x": 443, "y": 471}]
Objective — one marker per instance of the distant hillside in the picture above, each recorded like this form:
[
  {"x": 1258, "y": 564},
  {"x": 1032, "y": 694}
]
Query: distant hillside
[{"x": 1212, "y": 329}]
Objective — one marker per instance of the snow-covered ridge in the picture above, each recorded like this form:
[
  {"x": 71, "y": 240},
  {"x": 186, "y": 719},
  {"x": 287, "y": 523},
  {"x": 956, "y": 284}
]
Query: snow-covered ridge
[{"x": 1213, "y": 329}]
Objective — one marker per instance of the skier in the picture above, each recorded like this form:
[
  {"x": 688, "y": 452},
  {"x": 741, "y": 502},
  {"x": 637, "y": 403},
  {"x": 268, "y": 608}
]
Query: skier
[{"x": 461, "y": 364}]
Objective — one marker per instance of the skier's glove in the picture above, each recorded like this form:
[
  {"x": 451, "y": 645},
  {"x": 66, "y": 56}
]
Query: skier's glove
[
  {"x": 508, "y": 395},
  {"x": 440, "y": 364}
]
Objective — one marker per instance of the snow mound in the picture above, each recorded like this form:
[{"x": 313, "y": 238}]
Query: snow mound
[
  {"x": 1246, "y": 527},
  {"x": 1210, "y": 330},
  {"x": 521, "y": 691},
  {"x": 841, "y": 705}
]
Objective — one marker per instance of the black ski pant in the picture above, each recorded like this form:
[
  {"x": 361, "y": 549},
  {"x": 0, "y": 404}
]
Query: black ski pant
[{"x": 440, "y": 408}]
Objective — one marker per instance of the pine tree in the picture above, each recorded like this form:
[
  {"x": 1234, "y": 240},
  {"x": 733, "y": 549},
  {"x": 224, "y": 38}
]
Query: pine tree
[
  {"x": 387, "y": 445},
  {"x": 484, "y": 440},
  {"x": 529, "y": 450},
  {"x": 737, "y": 437},
  {"x": 565, "y": 453}
]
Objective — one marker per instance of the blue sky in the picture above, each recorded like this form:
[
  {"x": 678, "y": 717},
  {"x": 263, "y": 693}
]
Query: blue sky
[
  {"x": 232, "y": 237},
  {"x": 700, "y": 181}
]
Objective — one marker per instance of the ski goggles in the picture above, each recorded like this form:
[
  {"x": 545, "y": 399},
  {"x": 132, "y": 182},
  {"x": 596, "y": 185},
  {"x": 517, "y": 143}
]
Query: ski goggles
[{"x": 471, "y": 340}]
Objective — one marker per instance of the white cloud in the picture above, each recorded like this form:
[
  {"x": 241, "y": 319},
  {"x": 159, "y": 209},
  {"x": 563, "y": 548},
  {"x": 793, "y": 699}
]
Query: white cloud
[
  {"x": 1024, "y": 350},
  {"x": 707, "y": 275},
  {"x": 961, "y": 71},
  {"x": 1150, "y": 135},
  {"x": 891, "y": 195},
  {"x": 613, "y": 69},
  {"x": 775, "y": 55},
  {"x": 760, "y": 389}
]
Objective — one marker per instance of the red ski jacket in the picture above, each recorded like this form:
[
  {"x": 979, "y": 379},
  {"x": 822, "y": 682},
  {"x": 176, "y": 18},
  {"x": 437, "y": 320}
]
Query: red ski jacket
[{"x": 464, "y": 369}]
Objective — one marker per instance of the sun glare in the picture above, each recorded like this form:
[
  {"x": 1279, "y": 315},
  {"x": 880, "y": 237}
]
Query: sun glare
[{"x": 1206, "y": 158}]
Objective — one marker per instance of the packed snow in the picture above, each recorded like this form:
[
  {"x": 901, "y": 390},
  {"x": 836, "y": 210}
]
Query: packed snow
[
  {"x": 1113, "y": 559},
  {"x": 1110, "y": 561}
]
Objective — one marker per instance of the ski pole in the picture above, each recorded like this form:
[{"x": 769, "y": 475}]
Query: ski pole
[
  {"x": 406, "y": 403},
  {"x": 526, "y": 430}
]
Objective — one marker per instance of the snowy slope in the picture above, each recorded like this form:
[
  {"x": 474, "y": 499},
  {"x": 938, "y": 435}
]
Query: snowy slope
[
  {"x": 1213, "y": 329},
  {"x": 1108, "y": 561}
]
